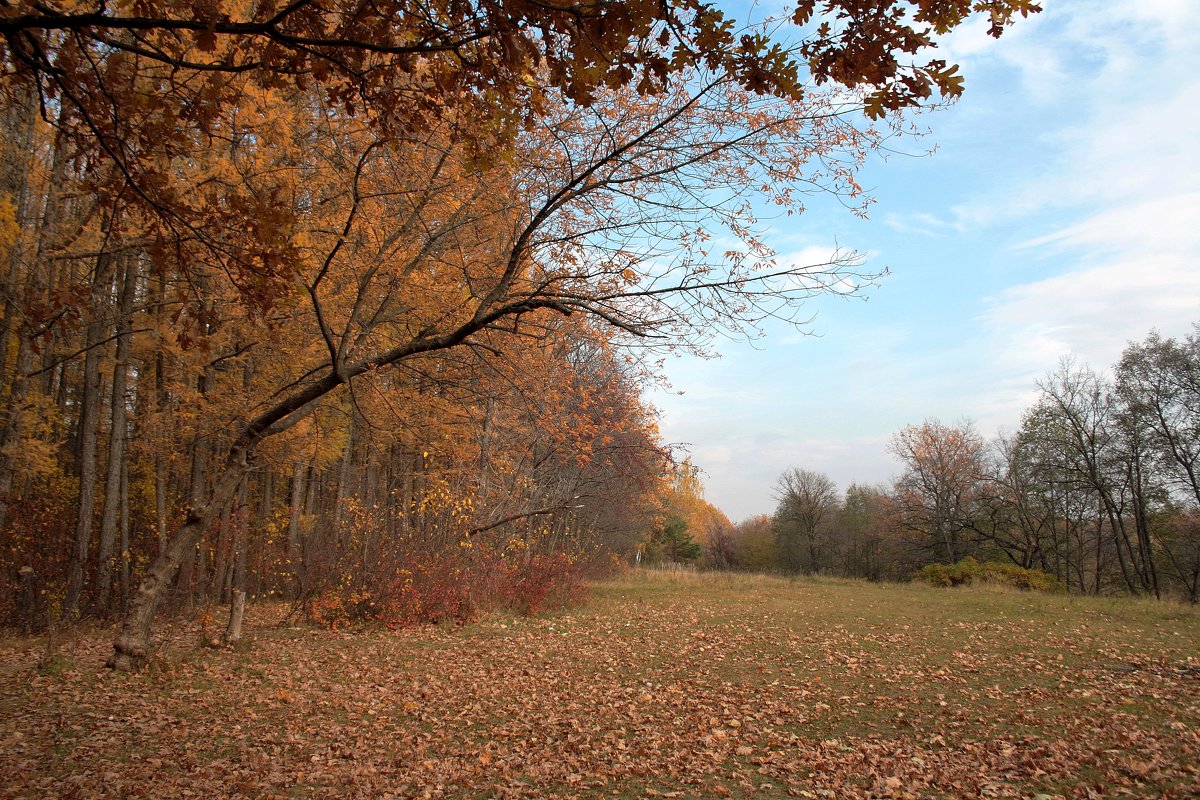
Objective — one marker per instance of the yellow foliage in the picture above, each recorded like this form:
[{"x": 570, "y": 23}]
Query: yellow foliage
[
  {"x": 9, "y": 229},
  {"x": 36, "y": 454},
  {"x": 685, "y": 499}
]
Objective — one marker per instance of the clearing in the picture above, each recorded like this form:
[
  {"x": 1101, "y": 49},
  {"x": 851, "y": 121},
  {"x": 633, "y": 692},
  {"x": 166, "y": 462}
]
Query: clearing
[{"x": 662, "y": 686}]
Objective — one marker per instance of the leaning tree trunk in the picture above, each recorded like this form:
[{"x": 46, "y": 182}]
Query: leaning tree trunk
[{"x": 132, "y": 646}]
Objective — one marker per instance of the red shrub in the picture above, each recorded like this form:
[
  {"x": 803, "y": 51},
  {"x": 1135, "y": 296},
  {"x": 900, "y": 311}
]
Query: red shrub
[{"x": 451, "y": 585}]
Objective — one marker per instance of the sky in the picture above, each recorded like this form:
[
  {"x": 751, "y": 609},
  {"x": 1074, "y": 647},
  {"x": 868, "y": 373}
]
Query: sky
[{"x": 1058, "y": 216}]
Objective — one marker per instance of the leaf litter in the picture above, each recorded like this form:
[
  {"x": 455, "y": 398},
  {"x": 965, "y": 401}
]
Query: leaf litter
[{"x": 658, "y": 688}]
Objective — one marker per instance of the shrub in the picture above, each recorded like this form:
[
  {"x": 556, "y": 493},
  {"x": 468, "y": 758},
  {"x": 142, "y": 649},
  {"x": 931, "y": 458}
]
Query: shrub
[
  {"x": 969, "y": 571},
  {"x": 453, "y": 586},
  {"x": 540, "y": 583}
]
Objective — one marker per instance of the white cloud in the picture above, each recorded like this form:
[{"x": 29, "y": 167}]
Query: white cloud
[
  {"x": 1117, "y": 90},
  {"x": 1131, "y": 165},
  {"x": 1074, "y": 41},
  {"x": 921, "y": 223},
  {"x": 1155, "y": 225},
  {"x": 1094, "y": 312},
  {"x": 742, "y": 464}
]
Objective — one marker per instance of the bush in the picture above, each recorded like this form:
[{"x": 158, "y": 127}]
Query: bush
[
  {"x": 454, "y": 586},
  {"x": 969, "y": 571},
  {"x": 540, "y": 583}
]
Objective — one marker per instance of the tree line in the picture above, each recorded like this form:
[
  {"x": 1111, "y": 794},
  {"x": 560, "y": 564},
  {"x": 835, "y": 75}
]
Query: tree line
[{"x": 1098, "y": 488}]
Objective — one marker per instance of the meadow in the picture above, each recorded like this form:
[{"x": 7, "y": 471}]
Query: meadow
[{"x": 662, "y": 685}]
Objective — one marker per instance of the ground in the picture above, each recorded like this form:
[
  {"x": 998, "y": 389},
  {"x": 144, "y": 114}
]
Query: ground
[{"x": 661, "y": 686}]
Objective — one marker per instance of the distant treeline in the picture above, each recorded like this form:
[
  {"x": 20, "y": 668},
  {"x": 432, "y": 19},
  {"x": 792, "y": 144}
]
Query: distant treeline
[{"x": 1100, "y": 488}]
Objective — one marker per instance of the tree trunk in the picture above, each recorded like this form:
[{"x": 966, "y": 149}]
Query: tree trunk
[
  {"x": 266, "y": 510},
  {"x": 89, "y": 423},
  {"x": 39, "y": 285},
  {"x": 116, "y": 449},
  {"x": 222, "y": 556},
  {"x": 200, "y": 596},
  {"x": 11, "y": 435},
  {"x": 132, "y": 647},
  {"x": 295, "y": 549},
  {"x": 160, "y": 501},
  {"x": 124, "y": 555},
  {"x": 344, "y": 491},
  {"x": 160, "y": 404},
  {"x": 17, "y": 134},
  {"x": 233, "y": 633},
  {"x": 197, "y": 486},
  {"x": 241, "y": 539}
]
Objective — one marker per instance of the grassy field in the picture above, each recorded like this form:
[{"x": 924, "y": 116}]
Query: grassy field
[{"x": 662, "y": 686}]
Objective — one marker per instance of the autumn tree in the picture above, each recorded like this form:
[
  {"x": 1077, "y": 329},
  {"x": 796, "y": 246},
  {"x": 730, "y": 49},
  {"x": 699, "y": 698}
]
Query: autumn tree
[
  {"x": 1094, "y": 488},
  {"x": 690, "y": 518},
  {"x": 671, "y": 543},
  {"x": 755, "y": 549},
  {"x": 1158, "y": 381},
  {"x": 937, "y": 495},
  {"x": 399, "y": 54},
  {"x": 1017, "y": 511},
  {"x": 548, "y": 247},
  {"x": 1099, "y": 448},
  {"x": 202, "y": 364}
]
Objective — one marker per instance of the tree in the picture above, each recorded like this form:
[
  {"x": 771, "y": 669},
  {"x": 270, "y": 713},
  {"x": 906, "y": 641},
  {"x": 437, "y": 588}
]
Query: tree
[
  {"x": 672, "y": 543},
  {"x": 861, "y": 535},
  {"x": 1017, "y": 513},
  {"x": 544, "y": 246},
  {"x": 137, "y": 88},
  {"x": 1158, "y": 381},
  {"x": 683, "y": 499},
  {"x": 755, "y": 548},
  {"x": 721, "y": 552},
  {"x": 806, "y": 500},
  {"x": 400, "y": 54},
  {"x": 937, "y": 495},
  {"x": 1056, "y": 508},
  {"x": 1101, "y": 449}
]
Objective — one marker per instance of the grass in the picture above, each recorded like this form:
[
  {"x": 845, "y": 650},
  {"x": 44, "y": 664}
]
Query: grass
[{"x": 669, "y": 684}]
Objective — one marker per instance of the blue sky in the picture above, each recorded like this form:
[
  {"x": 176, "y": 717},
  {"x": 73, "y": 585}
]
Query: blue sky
[{"x": 1059, "y": 215}]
